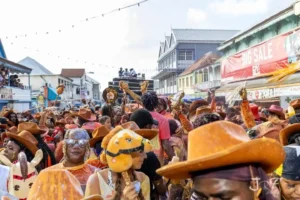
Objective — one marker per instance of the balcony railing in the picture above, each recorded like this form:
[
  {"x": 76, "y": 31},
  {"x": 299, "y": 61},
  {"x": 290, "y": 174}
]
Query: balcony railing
[{"x": 207, "y": 85}]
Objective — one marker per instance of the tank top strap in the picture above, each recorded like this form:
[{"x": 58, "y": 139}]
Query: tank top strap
[{"x": 107, "y": 192}]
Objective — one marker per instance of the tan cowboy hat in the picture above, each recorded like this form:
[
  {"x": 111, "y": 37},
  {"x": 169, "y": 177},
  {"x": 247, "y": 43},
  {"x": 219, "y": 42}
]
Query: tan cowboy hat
[
  {"x": 287, "y": 132},
  {"x": 295, "y": 103},
  {"x": 13, "y": 129},
  {"x": 85, "y": 114},
  {"x": 221, "y": 144},
  {"x": 196, "y": 104},
  {"x": 25, "y": 138},
  {"x": 7, "y": 112},
  {"x": 31, "y": 127},
  {"x": 52, "y": 181},
  {"x": 199, "y": 111},
  {"x": 145, "y": 133},
  {"x": 37, "y": 116},
  {"x": 61, "y": 121},
  {"x": 98, "y": 134}
]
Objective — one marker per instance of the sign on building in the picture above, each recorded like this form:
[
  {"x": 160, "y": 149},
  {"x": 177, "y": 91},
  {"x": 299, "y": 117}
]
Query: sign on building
[{"x": 263, "y": 58}]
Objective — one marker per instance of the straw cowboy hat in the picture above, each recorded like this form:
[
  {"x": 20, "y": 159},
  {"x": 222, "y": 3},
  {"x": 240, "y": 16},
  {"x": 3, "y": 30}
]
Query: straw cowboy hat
[
  {"x": 295, "y": 103},
  {"x": 25, "y": 138},
  {"x": 98, "y": 134},
  {"x": 221, "y": 144},
  {"x": 277, "y": 110},
  {"x": 31, "y": 127},
  {"x": 287, "y": 132},
  {"x": 52, "y": 181},
  {"x": 85, "y": 114},
  {"x": 91, "y": 126},
  {"x": 145, "y": 133}
]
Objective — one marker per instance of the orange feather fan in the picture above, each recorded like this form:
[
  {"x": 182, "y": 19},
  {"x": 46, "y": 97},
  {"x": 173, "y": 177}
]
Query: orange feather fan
[{"x": 280, "y": 75}]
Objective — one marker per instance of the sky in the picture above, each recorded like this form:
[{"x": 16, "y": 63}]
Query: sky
[{"x": 128, "y": 38}]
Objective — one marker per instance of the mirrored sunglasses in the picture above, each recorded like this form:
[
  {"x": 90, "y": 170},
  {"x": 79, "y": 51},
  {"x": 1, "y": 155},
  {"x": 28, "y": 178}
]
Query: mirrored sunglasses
[{"x": 72, "y": 142}]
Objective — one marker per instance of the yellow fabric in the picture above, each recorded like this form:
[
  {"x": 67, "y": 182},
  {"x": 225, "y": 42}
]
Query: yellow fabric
[{"x": 279, "y": 170}]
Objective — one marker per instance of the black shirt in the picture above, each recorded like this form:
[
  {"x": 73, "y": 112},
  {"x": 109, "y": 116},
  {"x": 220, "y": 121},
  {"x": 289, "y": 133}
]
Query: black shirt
[{"x": 149, "y": 167}]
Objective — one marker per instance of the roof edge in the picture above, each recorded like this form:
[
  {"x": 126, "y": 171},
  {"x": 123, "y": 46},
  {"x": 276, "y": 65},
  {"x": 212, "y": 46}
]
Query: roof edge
[{"x": 257, "y": 25}]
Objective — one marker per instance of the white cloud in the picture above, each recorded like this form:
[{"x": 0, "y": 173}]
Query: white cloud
[
  {"x": 195, "y": 16},
  {"x": 239, "y": 7}
]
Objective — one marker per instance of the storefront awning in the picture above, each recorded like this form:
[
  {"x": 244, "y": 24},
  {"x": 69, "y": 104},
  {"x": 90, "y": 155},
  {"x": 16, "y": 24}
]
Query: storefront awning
[
  {"x": 14, "y": 67},
  {"x": 165, "y": 73},
  {"x": 260, "y": 83}
]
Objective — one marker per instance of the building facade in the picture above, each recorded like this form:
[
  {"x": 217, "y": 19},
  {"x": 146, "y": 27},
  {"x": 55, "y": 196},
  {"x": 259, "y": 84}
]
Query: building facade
[
  {"x": 84, "y": 87},
  {"x": 181, "y": 49},
  {"x": 251, "y": 55},
  {"x": 203, "y": 75},
  {"x": 14, "y": 93},
  {"x": 40, "y": 76}
]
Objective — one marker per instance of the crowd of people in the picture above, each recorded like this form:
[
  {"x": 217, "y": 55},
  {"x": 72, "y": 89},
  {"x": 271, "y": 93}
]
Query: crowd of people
[
  {"x": 127, "y": 74},
  {"x": 164, "y": 150}
]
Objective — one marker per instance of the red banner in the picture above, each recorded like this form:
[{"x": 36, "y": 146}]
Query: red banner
[{"x": 263, "y": 58}]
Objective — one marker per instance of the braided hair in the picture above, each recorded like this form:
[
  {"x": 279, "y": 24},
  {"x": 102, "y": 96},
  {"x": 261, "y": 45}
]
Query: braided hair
[
  {"x": 150, "y": 101},
  {"x": 48, "y": 156}
]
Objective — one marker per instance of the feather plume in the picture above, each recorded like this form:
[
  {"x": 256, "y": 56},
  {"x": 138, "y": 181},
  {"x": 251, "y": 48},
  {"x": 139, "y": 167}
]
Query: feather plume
[{"x": 280, "y": 75}]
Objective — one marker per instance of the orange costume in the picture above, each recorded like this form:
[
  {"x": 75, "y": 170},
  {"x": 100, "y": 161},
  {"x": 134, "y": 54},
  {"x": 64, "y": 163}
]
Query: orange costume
[{"x": 81, "y": 172}]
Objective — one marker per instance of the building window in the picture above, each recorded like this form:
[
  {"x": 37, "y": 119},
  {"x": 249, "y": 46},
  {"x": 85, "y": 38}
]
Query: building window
[
  {"x": 181, "y": 55},
  {"x": 189, "y": 55},
  {"x": 185, "y": 55},
  {"x": 205, "y": 76},
  {"x": 187, "y": 82}
]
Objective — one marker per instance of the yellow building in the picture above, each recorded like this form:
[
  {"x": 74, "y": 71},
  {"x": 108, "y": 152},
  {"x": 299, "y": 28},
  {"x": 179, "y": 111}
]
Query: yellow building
[{"x": 197, "y": 78}]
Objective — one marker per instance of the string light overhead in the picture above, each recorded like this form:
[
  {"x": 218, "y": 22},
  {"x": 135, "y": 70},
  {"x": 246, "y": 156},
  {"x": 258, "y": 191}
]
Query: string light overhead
[
  {"x": 82, "y": 21},
  {"x": 84, "y": 61}
]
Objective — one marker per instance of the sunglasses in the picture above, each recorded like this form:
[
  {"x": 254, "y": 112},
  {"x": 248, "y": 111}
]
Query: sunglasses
[{"x": 72, "y": 142}]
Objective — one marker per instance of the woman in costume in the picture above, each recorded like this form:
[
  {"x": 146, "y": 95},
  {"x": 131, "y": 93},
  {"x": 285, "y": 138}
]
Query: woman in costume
[
  {"x": 222, "y": 166},
  {"x": 76, "y": 150},
  {"x": 23, "y": 141},
  {"x": 124, "y": 152}
]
